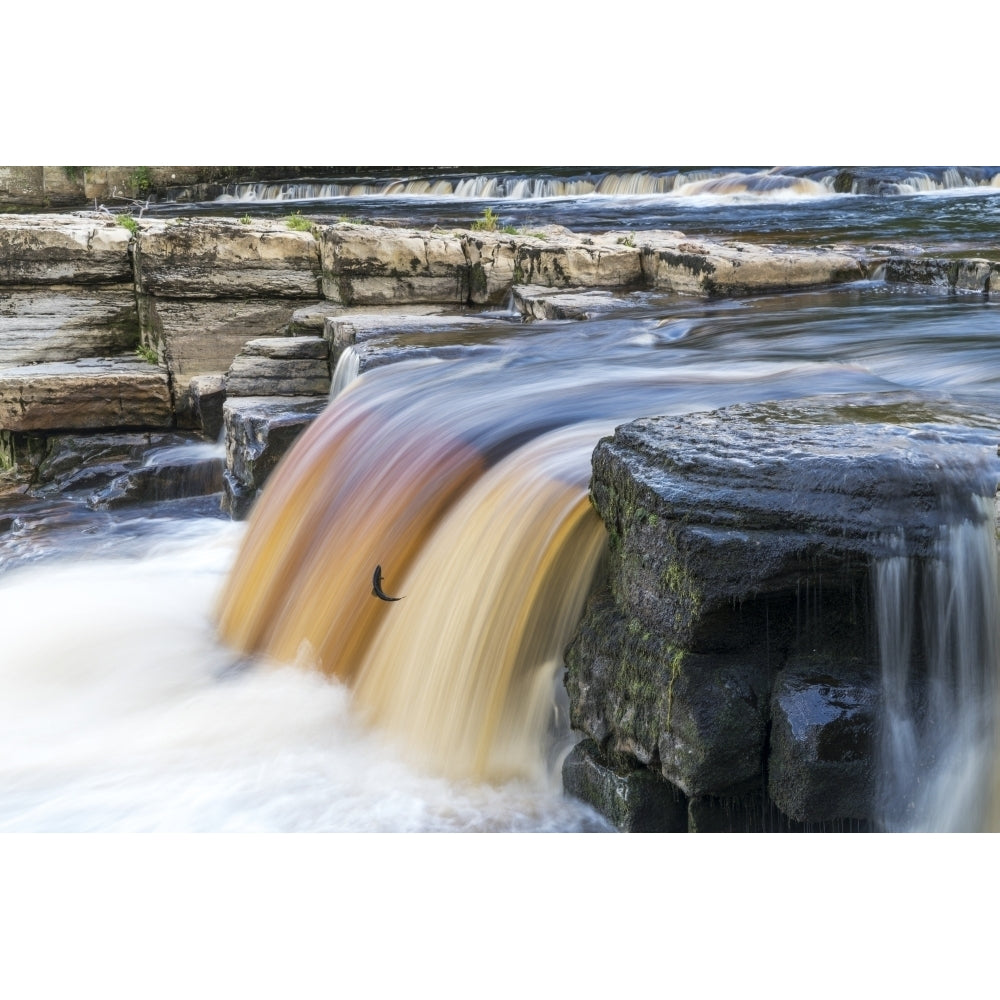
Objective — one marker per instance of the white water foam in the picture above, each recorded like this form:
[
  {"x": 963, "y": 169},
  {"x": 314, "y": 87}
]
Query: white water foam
[{"x": 120, "y": 711}]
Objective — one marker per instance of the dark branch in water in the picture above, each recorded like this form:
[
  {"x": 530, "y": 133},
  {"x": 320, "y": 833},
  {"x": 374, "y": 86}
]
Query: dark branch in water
[{"x": 377, "y": 586}]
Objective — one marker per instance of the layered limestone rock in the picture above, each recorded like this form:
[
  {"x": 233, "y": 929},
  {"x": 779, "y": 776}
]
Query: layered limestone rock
[
  {"x": 207, "y": 286},
  {"x": 564, "y": 259},
  {"x": 219, "y": 258},
  {"x": 92, "y": 394},
  {"x": 179, "y": 472},
  {"x": 970, "y": 274},
  {"x": 66, "y": 323},
  {"x": 730, "y": 648},
  {"x": 369, "y": 265},
  {"x": 281, "y": 366},
  {"x": 65, "y": 289},
  {"x": 543, "y": 303},
  {"x": 63, "y": 249},
  {"x": 672, "y": 262},
  {"x": 259, "y": 430}
]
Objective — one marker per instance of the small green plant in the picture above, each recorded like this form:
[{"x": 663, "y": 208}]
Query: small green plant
[
  {"x": 509, "y": 228},
  {"x": 140, "y": 181},
  {"x": 298, "y": 222},
  {"x": 490, "y": 221},
  {"x": 354, "y": 220},
  {"x": 128, "y": 222},
  {"x": 245, "y": 220},
  {"x": 626, "y": 241},
  {"x": 74, "y": 173},
  {"x": 147, "y": 353},
  {"x": 536, "y": 234}
]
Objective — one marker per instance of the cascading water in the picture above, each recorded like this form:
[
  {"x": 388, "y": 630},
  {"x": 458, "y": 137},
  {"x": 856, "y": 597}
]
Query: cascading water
[
  {"x": 938, "y": 624},
  {"x": 122, "y": 711}
]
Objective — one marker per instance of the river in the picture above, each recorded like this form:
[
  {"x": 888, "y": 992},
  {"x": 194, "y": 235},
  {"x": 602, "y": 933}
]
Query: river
[{"x": 122, "y": 710}]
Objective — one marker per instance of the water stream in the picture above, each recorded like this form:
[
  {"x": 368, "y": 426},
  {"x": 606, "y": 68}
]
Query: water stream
[{"x": 465, "y": 477}]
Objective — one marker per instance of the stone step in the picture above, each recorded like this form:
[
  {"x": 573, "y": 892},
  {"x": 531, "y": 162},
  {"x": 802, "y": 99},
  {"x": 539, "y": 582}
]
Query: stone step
[
  {"x": 66, "y": 322},
  {"x": 281, "y": 366},
  {"x": 89, "y": 394}
]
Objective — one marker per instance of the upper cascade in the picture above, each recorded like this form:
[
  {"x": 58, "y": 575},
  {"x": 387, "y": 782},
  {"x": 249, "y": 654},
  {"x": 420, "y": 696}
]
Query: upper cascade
[{"x": 513, "y": 185}]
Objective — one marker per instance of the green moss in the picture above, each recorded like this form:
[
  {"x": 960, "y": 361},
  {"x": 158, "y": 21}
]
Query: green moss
[
  {"x": 477, "y": 279},
  {"x": 298, "y": 222},
  {"x": 518, "y": 275},
  {"x": 676, "y": 666},
  {"x": 128, "y": 222},
  {"x": 140, "y": 181}
]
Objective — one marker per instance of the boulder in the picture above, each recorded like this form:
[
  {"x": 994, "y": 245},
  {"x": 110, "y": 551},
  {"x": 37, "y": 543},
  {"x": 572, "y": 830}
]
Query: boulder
[
  {"x": 633, "y": 799},
  {"x": 728, "y": 646},
  {"x": 823, "y": 731},
  {"x": 90, "y": 394}
]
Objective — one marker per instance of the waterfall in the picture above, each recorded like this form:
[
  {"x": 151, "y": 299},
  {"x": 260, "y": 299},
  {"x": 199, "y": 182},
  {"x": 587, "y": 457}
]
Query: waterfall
[
  {"x": 938, "y": 646},
  {"x": 721, "y": 182},
  {"x": 346, "y": 371},
  {"x": 464, "y": 668},
  {"x": 493, "y": 567}
]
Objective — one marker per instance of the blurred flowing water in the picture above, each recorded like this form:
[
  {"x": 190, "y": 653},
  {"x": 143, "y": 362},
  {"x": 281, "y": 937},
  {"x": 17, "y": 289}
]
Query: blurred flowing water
[{"x": 465, "y": 477}]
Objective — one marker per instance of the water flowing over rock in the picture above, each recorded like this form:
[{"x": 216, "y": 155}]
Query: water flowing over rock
[{"x": 732, "y": 648}]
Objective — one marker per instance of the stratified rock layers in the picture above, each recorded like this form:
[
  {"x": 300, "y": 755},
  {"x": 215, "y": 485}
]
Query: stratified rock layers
[{"x": 730, "y": 647}]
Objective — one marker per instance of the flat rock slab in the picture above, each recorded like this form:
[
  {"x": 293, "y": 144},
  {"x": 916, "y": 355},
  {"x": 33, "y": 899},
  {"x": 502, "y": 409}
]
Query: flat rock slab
[
  {"x": 969, "y": 274},
  {"x": 91, "y": 394},
  {"x": 222, "y": 258},
  {"x": 699, "y": 267},
  {"x": 540, "y": 302},
  {"x": 66, "y": 323},
  {"x": 369, "y": 325},
  {"x": 743, "y": 498},
  {"x": 63, "y": 249},
  {"x": 373, "y": 265}
]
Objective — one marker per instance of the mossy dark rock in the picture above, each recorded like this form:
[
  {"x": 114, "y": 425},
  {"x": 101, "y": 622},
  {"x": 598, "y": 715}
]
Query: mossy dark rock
[
  {"x": 259, "y": 430},
  {"x": 634, "y": 799},
  {"x": 823, "y": 733},
  {"x": 731, "y": 644}
]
